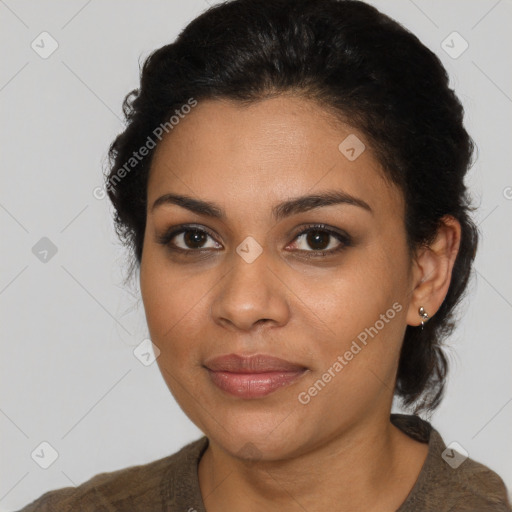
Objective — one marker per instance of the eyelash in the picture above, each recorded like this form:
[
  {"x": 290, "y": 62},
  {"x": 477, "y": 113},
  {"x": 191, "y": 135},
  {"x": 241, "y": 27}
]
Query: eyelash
[{"x": 342, "y": 237}]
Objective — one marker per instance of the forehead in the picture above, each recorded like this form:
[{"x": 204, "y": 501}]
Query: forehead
[{"x": 266, "y": 151}]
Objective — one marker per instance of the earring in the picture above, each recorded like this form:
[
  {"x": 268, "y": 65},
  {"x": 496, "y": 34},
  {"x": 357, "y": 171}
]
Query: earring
[{"x": 424, "y": 316}]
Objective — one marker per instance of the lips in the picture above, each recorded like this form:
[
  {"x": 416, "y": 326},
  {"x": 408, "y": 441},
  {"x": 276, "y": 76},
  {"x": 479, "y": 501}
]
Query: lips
[
  {"x": 257, "y": 363},
  {"x": 252, "y": 376}
]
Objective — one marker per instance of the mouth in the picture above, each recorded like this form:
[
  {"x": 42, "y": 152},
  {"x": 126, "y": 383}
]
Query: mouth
[{"x": 252, "y": 376}]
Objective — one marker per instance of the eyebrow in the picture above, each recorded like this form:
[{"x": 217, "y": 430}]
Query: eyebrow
[{"x": 285, "y": 209}]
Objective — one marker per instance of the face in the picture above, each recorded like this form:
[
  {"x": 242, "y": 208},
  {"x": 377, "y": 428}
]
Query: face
[{"x": 323, "y": 285}]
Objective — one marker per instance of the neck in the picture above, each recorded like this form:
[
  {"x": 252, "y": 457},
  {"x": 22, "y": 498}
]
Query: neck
[{"x": 373, "y": 466}]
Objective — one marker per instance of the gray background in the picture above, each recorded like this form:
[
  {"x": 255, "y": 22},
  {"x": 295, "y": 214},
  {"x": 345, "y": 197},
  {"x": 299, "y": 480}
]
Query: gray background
[{"x": 69, "y": 327}]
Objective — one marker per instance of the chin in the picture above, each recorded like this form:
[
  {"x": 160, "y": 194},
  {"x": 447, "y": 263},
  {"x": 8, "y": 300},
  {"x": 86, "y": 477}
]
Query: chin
[{"x": 257, "y": 436}]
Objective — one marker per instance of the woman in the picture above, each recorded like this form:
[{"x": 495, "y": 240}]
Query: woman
[{"x": 291, "y": 185}]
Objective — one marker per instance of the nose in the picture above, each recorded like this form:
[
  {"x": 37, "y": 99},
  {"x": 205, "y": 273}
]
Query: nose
[{"x": 249, "y": 295}]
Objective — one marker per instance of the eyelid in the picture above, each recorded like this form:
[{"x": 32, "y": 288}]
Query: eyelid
[
  {"x": 321, "y": 227},
  {"x": 170, "y": 233},
  {"x": 344, "y": 238}
]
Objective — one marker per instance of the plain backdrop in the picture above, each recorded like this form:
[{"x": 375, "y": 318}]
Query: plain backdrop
[{"x": 69, "y": 376}]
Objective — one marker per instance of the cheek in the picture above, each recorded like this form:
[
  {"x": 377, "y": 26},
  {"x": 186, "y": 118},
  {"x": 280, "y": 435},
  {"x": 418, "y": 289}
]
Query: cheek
[
  {"x": 346, "y": 300},
  {"x": 175, "y": 305},
  {"x": 362, "y": 308}
]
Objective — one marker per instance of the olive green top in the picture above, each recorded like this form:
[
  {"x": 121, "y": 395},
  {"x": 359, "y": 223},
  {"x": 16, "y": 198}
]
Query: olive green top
[{"x": 448, "y": 482}]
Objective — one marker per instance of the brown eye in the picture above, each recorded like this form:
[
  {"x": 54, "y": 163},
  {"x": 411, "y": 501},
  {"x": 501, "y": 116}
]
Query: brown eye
[
  {"x": 321, "y": 241},
  {"x": 188, "y": 240},
  {"x": 318, "y": 240},
  {"x": 194, "y": 239}
]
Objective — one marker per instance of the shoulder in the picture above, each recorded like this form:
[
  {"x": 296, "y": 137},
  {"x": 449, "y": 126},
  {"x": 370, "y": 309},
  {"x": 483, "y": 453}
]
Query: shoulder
[
  {"x": 449, "y": 479},
  {"x": 471, "y": 486},
  {"x": 144, "y": 486}
]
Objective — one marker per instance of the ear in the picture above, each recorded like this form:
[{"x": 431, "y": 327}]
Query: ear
[{"x": 432, "y": 270}]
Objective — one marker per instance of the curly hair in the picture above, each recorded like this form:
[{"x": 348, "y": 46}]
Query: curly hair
[{"x": 357, "y": 63}]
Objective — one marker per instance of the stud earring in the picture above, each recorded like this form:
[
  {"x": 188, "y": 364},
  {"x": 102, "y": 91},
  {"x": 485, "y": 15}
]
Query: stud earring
[{"x": 424, "y": 316}]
